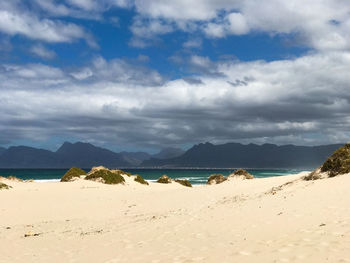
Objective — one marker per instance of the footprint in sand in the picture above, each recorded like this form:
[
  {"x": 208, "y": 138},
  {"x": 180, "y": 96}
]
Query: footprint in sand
[{"x": 337, "y": 234}]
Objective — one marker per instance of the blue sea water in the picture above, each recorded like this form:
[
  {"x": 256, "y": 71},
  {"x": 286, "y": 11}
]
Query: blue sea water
[{"x": 195, "y": 176}]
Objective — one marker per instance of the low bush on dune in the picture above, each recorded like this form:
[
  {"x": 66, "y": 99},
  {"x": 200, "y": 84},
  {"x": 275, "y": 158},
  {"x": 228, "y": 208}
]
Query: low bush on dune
[
  {"x": 315, "y": 175},
  {"x": 4, "y": 186},
  {"x": 184, "y": 182},
  {"x": 121, "y": 172},
  {"x": 243, "y": 173},
  {"x": 338, "y": 163},
  {"x": 164, "y": 180},
  {"x": 127, "y": 173},
  {"x": 14, "y": 178},
  {"x": 140, "y": 180},
  {"x": 72, "y": 173},
  {"x": 216, "y": 179},
  {"x": 106, "y": 176}
]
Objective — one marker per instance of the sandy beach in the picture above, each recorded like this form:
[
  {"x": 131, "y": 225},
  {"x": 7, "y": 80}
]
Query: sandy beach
[{"x": 278, "y": 219}]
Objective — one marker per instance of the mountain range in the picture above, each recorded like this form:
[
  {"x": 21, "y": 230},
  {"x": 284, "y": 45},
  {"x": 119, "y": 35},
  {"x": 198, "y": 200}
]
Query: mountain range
[
  {"x": 78, "y": 154},
  {"x": 234, "y": 155},
  {"x": 206, "y": 155},
  {"x": 2, "y": 149}
]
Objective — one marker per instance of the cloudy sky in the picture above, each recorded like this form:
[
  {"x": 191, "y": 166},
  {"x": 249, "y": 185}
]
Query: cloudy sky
[{"x": 144, "y": 74}]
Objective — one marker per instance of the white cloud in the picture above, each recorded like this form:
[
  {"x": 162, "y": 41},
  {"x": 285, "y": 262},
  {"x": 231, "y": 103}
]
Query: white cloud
[
  {"x": 57, "y": 9},
  {"x": 89, "y": 9},
  {"x": 185, "y": 10},
  {"x": 84, "y": 4},
  {"x": 237, "y": 24},
  {"x": 193, "y": 43},
  {"x": 200, "y": 61},
  {"x": 322, "y": 25},
  {"x": 14, "y": 21},
  {"x": 313, "y": 23},
  {"x": 215, "y": 30},
  {"x": 43, "y": 52},
  {"x": 145, "y": 31},
  {"x": 82, "y": 74},
  {"x": 145, "y": 28},
  {"x": 18, "y": 75}
]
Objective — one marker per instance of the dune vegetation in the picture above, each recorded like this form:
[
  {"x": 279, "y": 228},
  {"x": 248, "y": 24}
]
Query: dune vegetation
[
  {"x": 164, "y": 179},
  {"x": 4, "y": 186},
  {"x": 140, "y": 180},
  {"x": 338, "y": 162},
  {"x": 72, "y": 173},
  {"x": 106, "y": 176},
  {"x": 241, "y": 173},
  {"x": 216, "y": 179},
  {"x": 184, "y": 182}
]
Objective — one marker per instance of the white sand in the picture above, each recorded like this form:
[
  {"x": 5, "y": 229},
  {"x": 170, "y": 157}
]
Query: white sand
[{"x": 237, "y": 221}]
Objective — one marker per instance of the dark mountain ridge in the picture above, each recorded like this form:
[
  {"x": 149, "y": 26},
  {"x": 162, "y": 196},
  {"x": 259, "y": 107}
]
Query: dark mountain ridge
[
  {"x": 27, "y": 157},
  {"x": 205, "y": 155},
  {"x": 68, "y": 155},
  {"x": 168, "y": 153},
  {"x": 87, "y": 155},
  {"x": 2, "y": 149},
  {"x": 78, "y": 154},
  {"x": 136, "y": 158},
  {"x": 232, "y": 155}
]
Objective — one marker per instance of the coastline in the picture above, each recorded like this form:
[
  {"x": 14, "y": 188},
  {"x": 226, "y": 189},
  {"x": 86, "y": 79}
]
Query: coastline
[
  {"x": 195, "y": 176},
  {"x": 259, "y": 220}
]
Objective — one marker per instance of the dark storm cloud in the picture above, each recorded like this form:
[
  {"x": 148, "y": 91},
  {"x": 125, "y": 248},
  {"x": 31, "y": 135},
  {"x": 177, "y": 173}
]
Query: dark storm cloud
[{"x": 116, "y": 102}]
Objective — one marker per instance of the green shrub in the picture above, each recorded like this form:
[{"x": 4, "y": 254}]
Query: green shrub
[
  {"x": 338, "y": 163},
  {"x": 164, "y": 180},
  {"x": 216, "y": 179},
  {"x": 106, "y": 177},
  {"x": 242, "y": 172},
  {"x": 314, "y": 175},
  {"x": 4, "y": 186},
  {"x": 72, "y": 172},
  {"x": 127, "y": 173},
  {"x": 184, "y": 182},
  {"x": 140, "y": 180},
  {"x": 14, "y": 178},
  {"x": 121, "y": 172}
]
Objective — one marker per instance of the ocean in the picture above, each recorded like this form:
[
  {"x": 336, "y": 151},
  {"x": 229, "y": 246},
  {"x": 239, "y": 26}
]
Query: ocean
[{"x": 195, "y": 176}]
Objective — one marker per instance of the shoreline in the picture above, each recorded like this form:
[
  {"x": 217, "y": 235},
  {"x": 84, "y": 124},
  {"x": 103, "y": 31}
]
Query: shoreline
[{"x": 196, "y": 177}]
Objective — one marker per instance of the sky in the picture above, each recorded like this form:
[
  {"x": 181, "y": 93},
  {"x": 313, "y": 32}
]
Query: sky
[{"x": 146, "y": 74}]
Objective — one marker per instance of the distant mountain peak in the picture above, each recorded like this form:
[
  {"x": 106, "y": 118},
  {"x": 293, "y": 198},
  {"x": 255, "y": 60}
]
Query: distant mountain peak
[
  {"x": 80, "y": 154},
  {"x": 68, "y": 146},
  {"x": 169, "y": 152}
]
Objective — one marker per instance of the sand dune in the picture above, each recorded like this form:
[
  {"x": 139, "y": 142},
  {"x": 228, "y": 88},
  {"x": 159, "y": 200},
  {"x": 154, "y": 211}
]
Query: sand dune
[{"x": 259, "y": 220}]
